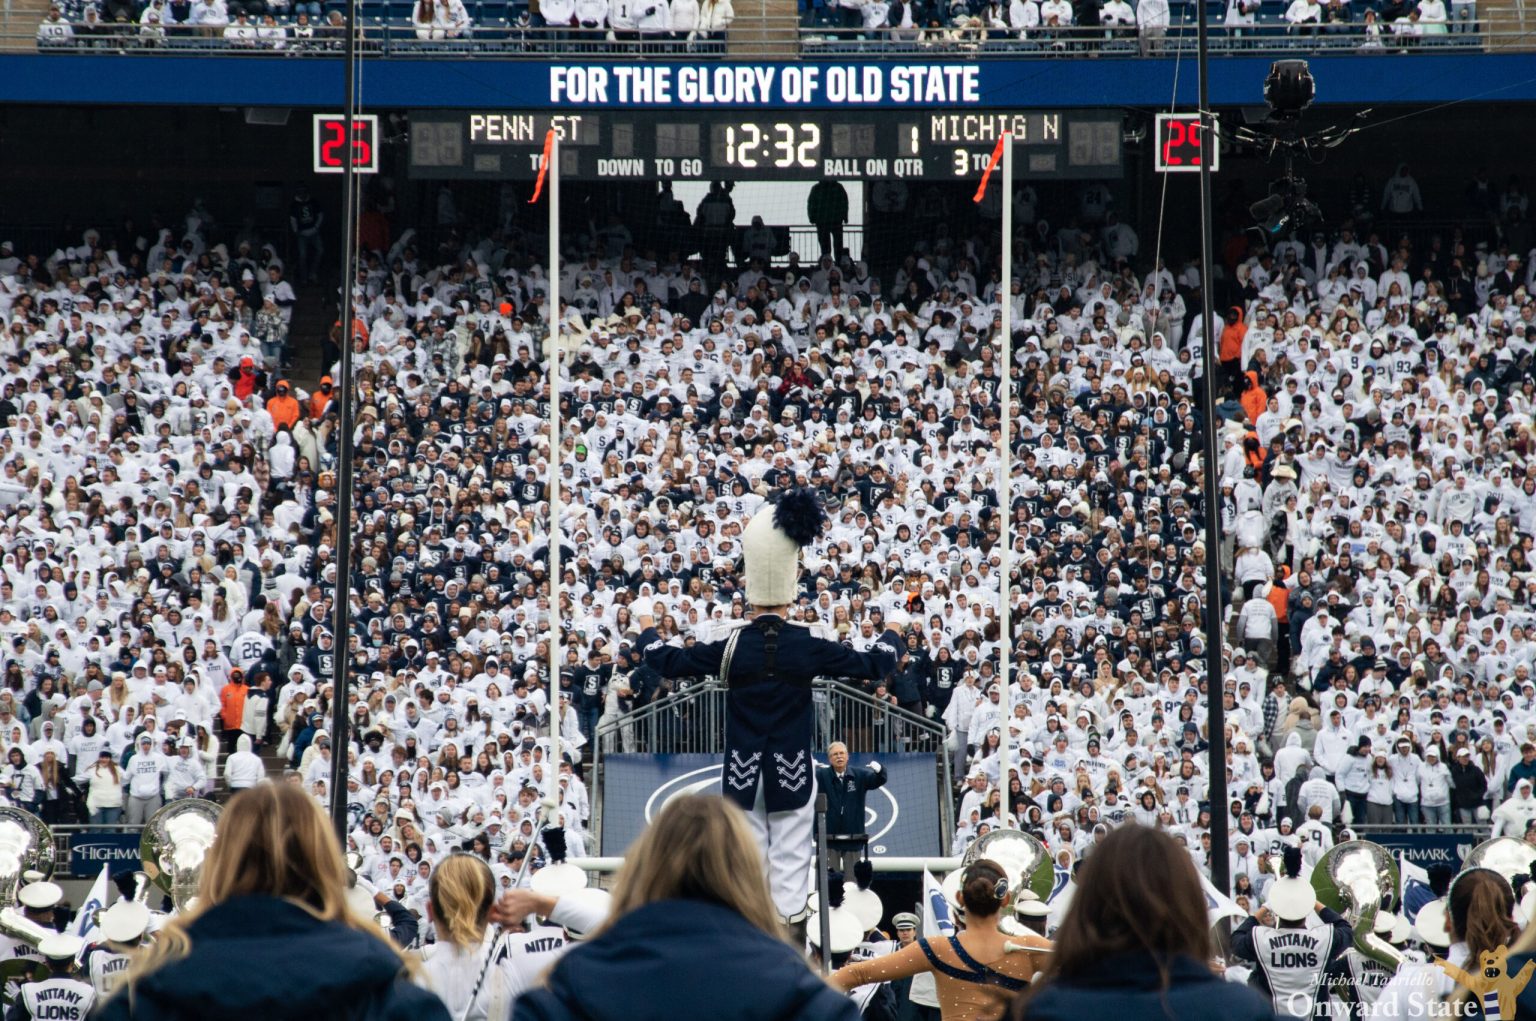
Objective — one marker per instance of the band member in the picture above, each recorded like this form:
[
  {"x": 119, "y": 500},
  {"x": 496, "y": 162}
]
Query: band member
[
  {"x": 61, "y": 996},
  {"x": 1031, "y": 912},
  {"x": 906, "y": 925},
  {"x": 122, "y": 928},
  {"x": 977, "y": 972},
  {"x": 768, "y": 664},
  {"x": 564, "y": 920},
  {"x": 39, "y": 900},
  {"x": 876, "y": 1000},
  {"x": 1292, "y": 951},
  {"x": 460, "y": 966},
  {"x": 1357, "y": 979},
  {"x": 1471, "y": 929}
]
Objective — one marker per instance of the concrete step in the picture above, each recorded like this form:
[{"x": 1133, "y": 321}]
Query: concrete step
[
  {"x": 1504, "y": 26},
  {"x": 766, "y": 28},
  {"x": 313, "y": 317},
  {"x": 20, "y": 23}
]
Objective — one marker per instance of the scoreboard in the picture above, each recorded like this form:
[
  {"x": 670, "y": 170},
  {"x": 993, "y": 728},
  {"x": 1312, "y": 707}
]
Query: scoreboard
[{"x": 762, "y": 145}]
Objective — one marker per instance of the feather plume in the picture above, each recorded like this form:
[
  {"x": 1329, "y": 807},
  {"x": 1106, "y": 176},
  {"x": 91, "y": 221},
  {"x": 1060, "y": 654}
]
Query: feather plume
[
  {"x": 1291, "y": 869},
  {"x": 800, "y": 516},
  {"x": 863, "y": 874},
  {"x": 834, "y": 888}
]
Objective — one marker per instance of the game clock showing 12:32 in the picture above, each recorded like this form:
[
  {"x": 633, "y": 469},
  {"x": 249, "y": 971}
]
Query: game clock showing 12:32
[{"x": 779, "y": 144}]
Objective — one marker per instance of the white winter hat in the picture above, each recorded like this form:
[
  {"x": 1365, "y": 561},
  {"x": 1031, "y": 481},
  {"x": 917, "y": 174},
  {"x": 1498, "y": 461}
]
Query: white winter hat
[{"x": 771, "y": 542}]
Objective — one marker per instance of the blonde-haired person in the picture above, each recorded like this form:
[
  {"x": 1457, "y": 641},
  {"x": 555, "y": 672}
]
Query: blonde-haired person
[
  {"x": 271, "y": 935},
  {"x": 460, "y": 967},
  {"x": 693, "y": 935}
]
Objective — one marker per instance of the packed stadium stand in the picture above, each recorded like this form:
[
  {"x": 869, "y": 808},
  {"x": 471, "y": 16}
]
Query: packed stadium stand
[
  {"x": 169, "y": 493},
  {"x": 778, "y": 281}
]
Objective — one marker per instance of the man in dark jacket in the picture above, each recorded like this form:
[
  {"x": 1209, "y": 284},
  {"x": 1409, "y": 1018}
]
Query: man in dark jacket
[
  {"x": 845, "y": 787},
  {"x": 1469, "y": 787},
  {"x": 827, "y": 208}
]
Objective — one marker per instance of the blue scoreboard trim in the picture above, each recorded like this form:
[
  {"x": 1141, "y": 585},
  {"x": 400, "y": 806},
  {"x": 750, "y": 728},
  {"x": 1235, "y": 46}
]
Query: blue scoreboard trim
[{"x": 535, "y": 85}]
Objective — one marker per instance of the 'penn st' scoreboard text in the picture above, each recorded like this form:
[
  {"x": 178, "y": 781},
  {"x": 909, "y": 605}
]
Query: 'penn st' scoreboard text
[{"x": 801, "y": 144}]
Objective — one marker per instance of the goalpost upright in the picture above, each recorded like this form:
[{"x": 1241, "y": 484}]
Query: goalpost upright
[
  {"x": 552, "y": 345},
  {"x": 1004, "y": 484}
]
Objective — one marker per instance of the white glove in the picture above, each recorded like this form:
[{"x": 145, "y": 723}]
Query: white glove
[
  {"x": 876, "y": 767},
  {"x": 367, "y": 887}
]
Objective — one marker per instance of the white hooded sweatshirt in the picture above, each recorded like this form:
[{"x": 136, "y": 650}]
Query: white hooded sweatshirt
[{"x": 244, "y": 767}]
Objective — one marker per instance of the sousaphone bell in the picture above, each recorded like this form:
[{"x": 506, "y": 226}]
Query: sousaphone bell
[
  {"x": 175, "y": 844},
  {"x": 1354, "y": 878}
]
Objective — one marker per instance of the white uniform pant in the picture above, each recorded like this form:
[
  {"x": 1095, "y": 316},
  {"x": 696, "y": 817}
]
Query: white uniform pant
[{"x": 788, "y": 843}]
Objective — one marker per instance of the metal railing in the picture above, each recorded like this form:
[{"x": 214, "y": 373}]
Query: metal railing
[
  {"x": 499, "y": 39},
  {"x": 1179, "y": 39},
  {"x": 806, "y": 243},
  {"x": 694, "y": 721},
  {"x": 1365, "y": 831},
  {"x": 493, "y": 38}
]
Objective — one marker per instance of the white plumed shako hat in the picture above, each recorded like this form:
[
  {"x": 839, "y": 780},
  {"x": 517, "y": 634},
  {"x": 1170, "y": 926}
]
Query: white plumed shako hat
[{"x": 771, "y": 543}]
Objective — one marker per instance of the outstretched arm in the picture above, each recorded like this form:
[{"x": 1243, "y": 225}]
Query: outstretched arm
[
  {"x": 874, "y": 776},
  {"x": 905, "y": 962},
  {"x": 879, "y": 662},
  {"x": 678, "y": 661}
]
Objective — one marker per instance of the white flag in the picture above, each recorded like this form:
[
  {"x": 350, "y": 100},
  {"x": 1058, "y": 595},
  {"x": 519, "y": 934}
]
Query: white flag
[
  {"x": 936, "y": 916},
  {"x": 1060, "y": 901},
  {"x": 85, "y": 921},
  {"x": 1218, "y": 905},
  {"x": 937, "y": 922}
]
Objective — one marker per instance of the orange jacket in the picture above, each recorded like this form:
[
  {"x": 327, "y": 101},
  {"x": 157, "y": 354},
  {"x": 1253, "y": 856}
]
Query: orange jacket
[
  {"x": 1254, "y": 454},
  {"x": 1232, "y": 338},
  {"x": 232, "y": 705},
  {"x": 1254, "y": 399},
  {"x": 284, "y": 407},
  {"x": 359, "y": 329},
  {"x": 1278, "y": 598},
  {"x": 319, "y": 400}
]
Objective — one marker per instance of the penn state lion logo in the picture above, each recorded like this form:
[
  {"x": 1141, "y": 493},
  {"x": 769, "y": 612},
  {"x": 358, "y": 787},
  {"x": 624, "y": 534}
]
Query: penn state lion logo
[{"x": 1492, "y": 977}]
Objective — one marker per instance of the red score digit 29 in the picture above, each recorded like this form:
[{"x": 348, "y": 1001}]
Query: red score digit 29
[{"x": 1179, "y": 146}]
